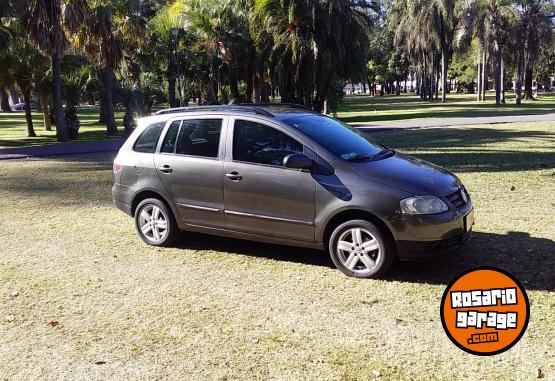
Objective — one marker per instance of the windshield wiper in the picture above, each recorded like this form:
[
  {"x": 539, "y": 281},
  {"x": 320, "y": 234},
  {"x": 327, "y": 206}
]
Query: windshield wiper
[
  {"x": 361, "y": 157},
  {"x": 385, "y": 151},
  {"x": 370, "y": 157}
]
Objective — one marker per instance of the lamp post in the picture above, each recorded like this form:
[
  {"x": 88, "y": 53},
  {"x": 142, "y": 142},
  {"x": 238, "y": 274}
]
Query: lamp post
[{"x": 175, "y": 35}]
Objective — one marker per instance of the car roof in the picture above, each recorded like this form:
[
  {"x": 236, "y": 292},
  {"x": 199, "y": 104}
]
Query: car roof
[{"x": 278, "y": 111}]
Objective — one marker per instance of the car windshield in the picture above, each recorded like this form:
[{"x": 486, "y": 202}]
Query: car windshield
[{"x": 338, "y": 138}]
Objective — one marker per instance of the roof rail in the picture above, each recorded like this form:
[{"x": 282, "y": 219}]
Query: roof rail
[
  {"x": 266, "y": 104},
  {"x": 232, "y": 107}
]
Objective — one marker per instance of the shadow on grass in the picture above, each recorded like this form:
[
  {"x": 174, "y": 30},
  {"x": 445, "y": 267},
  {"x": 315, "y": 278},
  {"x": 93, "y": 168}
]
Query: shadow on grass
[
  {"x": 459, "y": 149},
  {"x": 530, "y": 259},
  {"x": 412, "y": 107}
]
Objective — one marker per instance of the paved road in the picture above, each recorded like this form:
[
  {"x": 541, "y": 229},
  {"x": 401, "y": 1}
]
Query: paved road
[
  {"x": 445, "y": 122},
  {"x": 75, "y": 148}
]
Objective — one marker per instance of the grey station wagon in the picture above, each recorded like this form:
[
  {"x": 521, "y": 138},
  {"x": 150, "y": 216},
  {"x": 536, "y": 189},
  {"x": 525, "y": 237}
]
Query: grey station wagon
[{"x": 287, "y": 175}]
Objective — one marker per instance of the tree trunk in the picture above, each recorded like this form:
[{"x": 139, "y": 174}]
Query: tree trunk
[
  {"x": 172, "y": 101},
  {"x": 444, "y": 65},
  {"x": 256, "y": 88},
  {"x": 528, "y": 94},
  {"x": 234, "y": 87},
  {"x": 484, "y": 74},
  {"x": 108, "y": 100},
  {"x": 265, "y": 92},
  {"x": 28, "y": 115},
  {"x": 479, "y": 79},
  {"x": 5, "y": 103},
  {"x": 519, "y": 75},
  {"x": 502, "y": 80},
  {"x": 45, "y": 111},
  {"x": 61, "y": 130},
  {"x": 497, "y": 62}
]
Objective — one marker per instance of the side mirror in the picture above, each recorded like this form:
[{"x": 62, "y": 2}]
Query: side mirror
[{"x": 298, "y": 161}]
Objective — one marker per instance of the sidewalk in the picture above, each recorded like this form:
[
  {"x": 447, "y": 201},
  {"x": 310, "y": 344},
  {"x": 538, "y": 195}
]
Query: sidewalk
[
  {"x": 73, "y": 148},
  {"x": 445, "y": 122}
]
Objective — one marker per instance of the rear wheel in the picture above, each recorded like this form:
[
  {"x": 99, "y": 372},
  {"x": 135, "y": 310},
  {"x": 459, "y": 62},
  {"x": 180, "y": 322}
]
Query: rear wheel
[
  {"x": 359, "y": 249},
  {"x": 155, "y": 222}
]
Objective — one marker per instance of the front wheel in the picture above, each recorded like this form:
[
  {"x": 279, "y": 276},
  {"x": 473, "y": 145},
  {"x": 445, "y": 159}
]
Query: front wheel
[
  {"x": 359, "y": 249},
  {"x": 155, "y": 223}
]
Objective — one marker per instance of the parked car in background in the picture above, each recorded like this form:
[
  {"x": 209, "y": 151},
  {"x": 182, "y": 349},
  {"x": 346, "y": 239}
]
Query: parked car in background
[
  {"x": 287, "y": 175},
  {"x": 21, "y": 106}
]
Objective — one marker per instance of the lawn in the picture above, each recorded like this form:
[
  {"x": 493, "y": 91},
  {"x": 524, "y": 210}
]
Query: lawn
[
  {"x": 358, "y": 109},
  {"x": 365, "y": 108},
  {"x": 81, "y": 297},
  {"x": 13, "y": 128}
]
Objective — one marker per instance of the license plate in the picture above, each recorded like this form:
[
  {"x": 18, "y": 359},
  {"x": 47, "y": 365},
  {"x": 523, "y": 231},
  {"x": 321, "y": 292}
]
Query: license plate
[{"x": 469, "y": 220}]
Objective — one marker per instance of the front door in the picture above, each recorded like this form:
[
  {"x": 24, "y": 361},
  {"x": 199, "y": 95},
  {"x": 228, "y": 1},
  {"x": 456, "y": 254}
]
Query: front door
[
  {"x": 261, "y": 196},
  {"x": 189, "y": 163}
]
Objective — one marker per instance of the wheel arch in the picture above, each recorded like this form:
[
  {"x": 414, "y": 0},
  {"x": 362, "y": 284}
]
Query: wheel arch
[
  {"x": 150, "y": 193},
  {"x": 356, "y": 214}
]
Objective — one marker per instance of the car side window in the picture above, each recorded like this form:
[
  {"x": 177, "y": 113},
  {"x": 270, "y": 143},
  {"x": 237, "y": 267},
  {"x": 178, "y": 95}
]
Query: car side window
[
  {"x": 199, "y": 137},
  {"x": 147, "y": 141},
  {"x": 257, "y": 143},
  {"x": 168, "y": 146}
]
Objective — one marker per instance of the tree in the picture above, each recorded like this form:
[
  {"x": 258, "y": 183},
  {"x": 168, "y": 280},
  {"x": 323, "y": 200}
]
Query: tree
[{"x": 45, "y": 26}]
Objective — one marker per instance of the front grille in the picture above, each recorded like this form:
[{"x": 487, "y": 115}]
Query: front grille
[{"x": 456, "y": 199}]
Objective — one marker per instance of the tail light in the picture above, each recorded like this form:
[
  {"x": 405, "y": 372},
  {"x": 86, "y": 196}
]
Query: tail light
[{"x": 117, "y": 167}]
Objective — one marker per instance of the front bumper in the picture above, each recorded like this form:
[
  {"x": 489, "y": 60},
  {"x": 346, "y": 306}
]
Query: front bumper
[{"x": 430, "y": 235}]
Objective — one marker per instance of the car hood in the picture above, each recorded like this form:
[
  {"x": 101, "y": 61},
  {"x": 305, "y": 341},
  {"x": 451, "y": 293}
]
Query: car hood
[{"x": 409, "y": 174}]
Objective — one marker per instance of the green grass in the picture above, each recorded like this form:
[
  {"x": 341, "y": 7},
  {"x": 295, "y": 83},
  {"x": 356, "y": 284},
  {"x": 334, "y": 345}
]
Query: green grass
[
  {"x": 217, "y": 308},
  {"x": 13, "y": 128},
  {"x": 359, "y": 109},
  {"x": 365, "y": 108}
]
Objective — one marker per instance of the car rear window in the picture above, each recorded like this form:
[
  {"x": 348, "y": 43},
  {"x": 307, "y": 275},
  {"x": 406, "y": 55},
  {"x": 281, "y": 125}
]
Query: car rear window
[{"x": 147, "y": 141}]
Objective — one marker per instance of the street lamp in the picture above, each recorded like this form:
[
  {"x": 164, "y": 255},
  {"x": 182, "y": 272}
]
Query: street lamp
[{"x": 175, "y": 35}]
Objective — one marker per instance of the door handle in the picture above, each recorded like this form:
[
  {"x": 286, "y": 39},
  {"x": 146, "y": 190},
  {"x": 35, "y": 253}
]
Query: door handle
[
  {"x": 234, "y": 176},
  {"x": 165, "y": 168}
]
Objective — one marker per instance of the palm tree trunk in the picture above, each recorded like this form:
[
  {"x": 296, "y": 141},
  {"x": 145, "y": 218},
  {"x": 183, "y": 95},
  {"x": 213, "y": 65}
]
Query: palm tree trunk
[
  {"x": 234, "y": 87},
  {"x": 497, "y": 61},
  {"x": 444, "y": 66},
  {"x": 61, "y": 130},
  {"x": 502, "y": 80},
  {"x": 28, "y": 115},
  {"x": 5, "y": 102},
  {"x": 484, "y": 74},
  {"x": 108, "y": 100},
  {"x": 518, "y": 82},
  {"x": 45, "y": 111},
  {"x": 528, "y": 83},
  {"x": 171, "y": 89},
  {"x": 479, "y": 79}
]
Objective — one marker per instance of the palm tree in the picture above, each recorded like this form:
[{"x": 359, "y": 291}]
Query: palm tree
[
  {"x": 314, "y": 42},
  {"x": 100, "y": 40},
  {"x": 45, "y": 30},
  {"x": 485, "y": 20},
  {"x": 414, "y": 21},
  {"x": 533, "y": 27},
  {"x": 72, "y": 89}
]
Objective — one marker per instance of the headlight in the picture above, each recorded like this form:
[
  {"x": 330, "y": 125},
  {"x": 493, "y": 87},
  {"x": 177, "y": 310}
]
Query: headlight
[{"x": 423, "y": 205}]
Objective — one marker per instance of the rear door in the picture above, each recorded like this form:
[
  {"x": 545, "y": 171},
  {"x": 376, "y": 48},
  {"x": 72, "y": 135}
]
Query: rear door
[
  {"x": 261, "y": 196},
  {"x": 190, "y": 163}
]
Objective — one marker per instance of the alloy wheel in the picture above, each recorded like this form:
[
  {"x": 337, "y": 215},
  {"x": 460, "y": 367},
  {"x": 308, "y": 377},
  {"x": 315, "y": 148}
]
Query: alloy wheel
[
  {"x": 358, "y": 250},
  {"x": 153, "y": 223}
]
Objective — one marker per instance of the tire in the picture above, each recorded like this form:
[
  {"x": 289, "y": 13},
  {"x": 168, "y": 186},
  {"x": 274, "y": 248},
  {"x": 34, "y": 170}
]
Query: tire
[
  {"x": 156, "y": 235},
  {"x": 370, "y": 258}
]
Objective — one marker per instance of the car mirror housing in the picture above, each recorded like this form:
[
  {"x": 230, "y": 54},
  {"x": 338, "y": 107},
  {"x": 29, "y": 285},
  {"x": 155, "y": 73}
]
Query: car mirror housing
[{"x": 298, "y": 161}]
